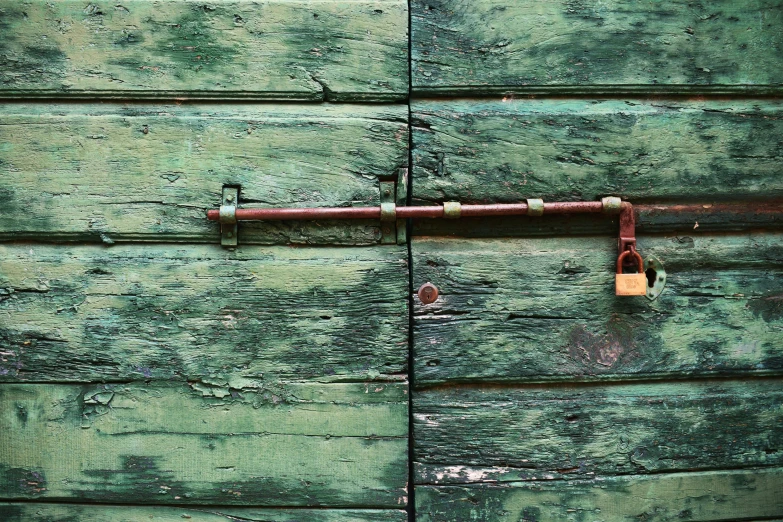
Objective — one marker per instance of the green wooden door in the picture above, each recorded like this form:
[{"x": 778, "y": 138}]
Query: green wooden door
[
  {"x": 538, "y": 394},
  {"x": 146, "y": 373}
]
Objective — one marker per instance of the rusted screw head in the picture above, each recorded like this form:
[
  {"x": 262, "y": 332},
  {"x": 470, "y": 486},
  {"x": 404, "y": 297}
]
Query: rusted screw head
[{"x": 428, "y": 293}]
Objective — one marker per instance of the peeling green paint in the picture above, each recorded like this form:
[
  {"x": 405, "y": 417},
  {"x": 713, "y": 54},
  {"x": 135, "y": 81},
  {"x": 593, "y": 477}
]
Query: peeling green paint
[
  {"x": 498, "y": 46},
  {"x": 497, "y": 434},
  {"x": 708, "y": 496},
  {"x": 642, "y": 151},
  {"x": 200, "y": 313},
  {"x": 328, "y": 445},
  {"x": 335, "y": 50},
  {"x": 95, "y": 513},
  {"x": 544, "y": 309},
  {"x": 91, "y": 173}
]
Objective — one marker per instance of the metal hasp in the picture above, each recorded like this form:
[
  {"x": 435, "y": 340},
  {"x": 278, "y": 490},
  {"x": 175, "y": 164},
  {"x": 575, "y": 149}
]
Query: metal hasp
[
  {"x": 228, "y": 217},
  {"x": 402, "y": 200},
  {"x": 388, "y": 212},
  {"x": 627, "y": 239}
]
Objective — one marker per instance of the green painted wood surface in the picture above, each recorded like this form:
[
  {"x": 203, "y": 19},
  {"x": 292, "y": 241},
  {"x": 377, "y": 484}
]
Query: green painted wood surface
[
  {"x": 281, "y": 445},
  {"x": 115, "y": 172},
  {"x": 544, "y": 309},
  {"x": 584, "y": 149},
  {"x": 37, "y": 512},
  {"x": 503, "y": 434},
  {"x": 87, "y": 313},
  {"x": 711, "y": 496},
  {"x": 278, "y": 49},
  {"x": 491, "y": 46}
]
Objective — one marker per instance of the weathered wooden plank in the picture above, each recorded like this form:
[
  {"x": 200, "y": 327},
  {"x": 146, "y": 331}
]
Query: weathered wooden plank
[
  {"x": 139, "y": 172},
  {"x": 282, "y": 444},
  {"x": 39, "y": 512},
  {"x": 544, "y": 309},
  {"x": 495, "y": 433},
  {"x": 75, "y": 313},
  {"x": 587, "y": 149},
  {"x": 491, "y": 46},
  {"x": 279, "y": 49},
  {"x": 712, "y": 496}
]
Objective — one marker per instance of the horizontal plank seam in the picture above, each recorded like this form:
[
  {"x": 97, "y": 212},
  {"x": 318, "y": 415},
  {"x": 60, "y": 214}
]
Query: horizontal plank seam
[
  {"x": 185, "y": 101},
  {"x": 197, "y": 507},
  {"x": 180, "y": 382},
  {"x": 773, "y": 375},
  {"x": 260, "y": 433},
  {"x": 587, "y": 92},
  {"x": 419, "y": 96}
]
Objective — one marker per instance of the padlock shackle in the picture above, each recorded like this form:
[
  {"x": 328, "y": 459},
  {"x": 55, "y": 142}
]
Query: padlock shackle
[{"x": 639, "y": 260}]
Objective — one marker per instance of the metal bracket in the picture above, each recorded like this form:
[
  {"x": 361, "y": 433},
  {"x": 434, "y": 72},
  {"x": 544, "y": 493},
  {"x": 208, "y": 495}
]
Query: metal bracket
[
  {"x": 388, "y": 212},
  {"x": 452, "y": 209},
  {"x": 535, "y": 207},
  {"x": 402, "y": 200},
  {"x": 612, "y": 205},
  {"x": 228, "y": 217}
]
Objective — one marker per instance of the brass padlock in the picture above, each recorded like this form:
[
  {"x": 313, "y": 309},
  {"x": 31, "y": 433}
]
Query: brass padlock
[{"x": 630, "y": 284}]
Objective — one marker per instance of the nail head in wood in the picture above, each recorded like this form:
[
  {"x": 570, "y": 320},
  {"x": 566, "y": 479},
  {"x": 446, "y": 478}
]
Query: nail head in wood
[{"x": 428, "y": 293}]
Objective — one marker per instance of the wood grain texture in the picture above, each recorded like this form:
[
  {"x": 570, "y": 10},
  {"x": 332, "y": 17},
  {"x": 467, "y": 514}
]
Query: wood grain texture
[
  {"x": 490, "y": 46},
  {"x": 88, "y": 313},
  {"x": 503, "y": 434},
  {"x": 325, "y": 50},
  {"x": 114, "y": 172},
  {"x": 280, "y": 445},
  {"x": 713, "y": 496},
  {"x": 644, "y": 151},
  {"x": 39, "y": 512},
  {"x": 544, "y": 309}
]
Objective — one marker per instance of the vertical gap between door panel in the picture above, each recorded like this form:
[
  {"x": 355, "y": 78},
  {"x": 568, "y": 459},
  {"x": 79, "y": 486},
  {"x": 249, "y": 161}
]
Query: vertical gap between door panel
[{"x": 409, "y": 230}]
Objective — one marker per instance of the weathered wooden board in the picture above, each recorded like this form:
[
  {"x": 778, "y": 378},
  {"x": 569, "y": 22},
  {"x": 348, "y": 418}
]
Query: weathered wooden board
[
  {"x": 544, "y": 309},
  {"x": 585, "y": 149},
  {"x": 496, "y": 433},
  {"x": 489, "y": 46},
  {"x": 115, "y": 172},
  {"x": 75, "y": 313},
  {"x": 711, "y": 496},
  {"x": 285, "y": 444},
  {"x": 39, "y": 512},
  {"x": 277, "y": 49}
]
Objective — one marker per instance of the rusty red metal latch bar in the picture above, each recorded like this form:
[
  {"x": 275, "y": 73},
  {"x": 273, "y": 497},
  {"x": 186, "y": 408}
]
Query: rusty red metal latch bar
[
  {"x": 388, "y": 213},
  {"x": 449, "y": 210},
  {"x": 228, "y": 214}
]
